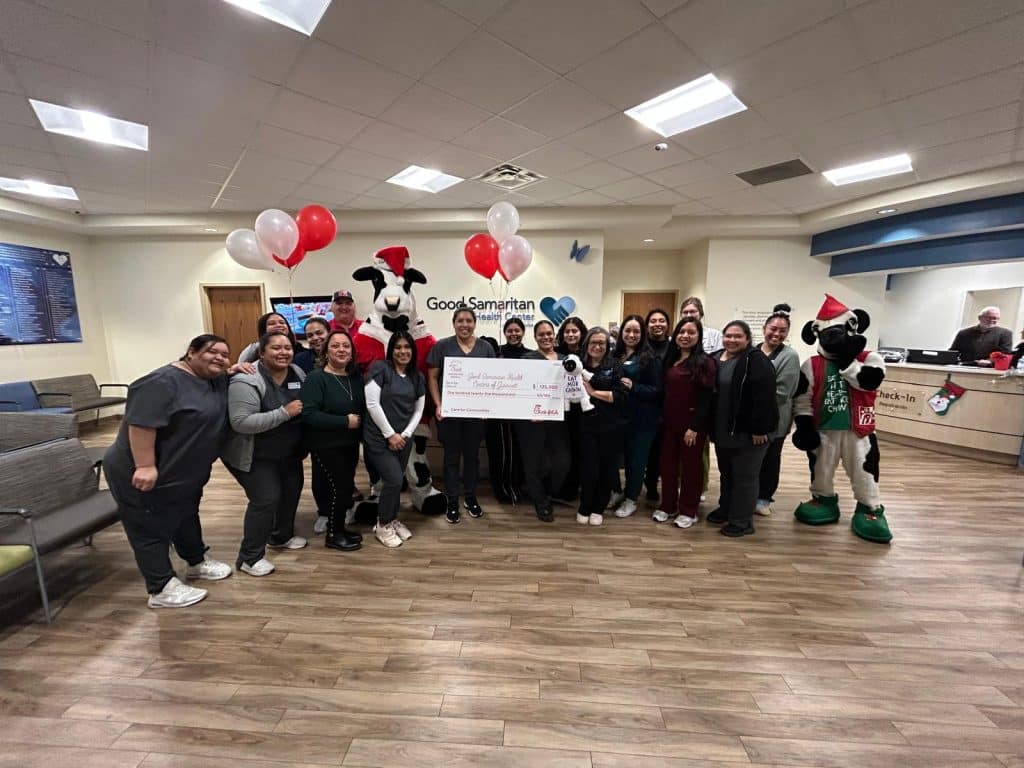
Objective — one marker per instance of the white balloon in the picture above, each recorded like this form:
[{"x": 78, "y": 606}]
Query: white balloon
[
  {"x": 242, "y": 247},
  {"x": 277, "y": 233},
  {"x": 502, "y": 221},
  {"x": 514, "y": 256}
]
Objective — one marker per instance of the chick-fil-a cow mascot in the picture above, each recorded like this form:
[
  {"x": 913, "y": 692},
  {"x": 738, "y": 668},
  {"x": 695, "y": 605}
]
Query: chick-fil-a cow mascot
[
  {"x": 394, "y": 309},
  {"x": 834, "y": 413}
]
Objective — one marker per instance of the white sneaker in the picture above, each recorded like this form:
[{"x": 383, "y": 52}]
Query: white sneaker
[
  {"x": 320, "y": 526},
  {"x": 386, "y": 535},
  {"x": 582, "y": 519},
  {"x": 616, "y": 499},
  {"x": 295, "y": 542},
  {"x": 627, "y": 509},
  {"x": 660, "y": 516},
  {"x": 176, "y": 595},
  {"x": 763, "y": 508},
  {"x": 403, "y": 533},
  {"x": 703, "y": 497},
  {"x": 684, "y": 521},
  {"x": 211, "y": 570},
  {"x": 261, "y": 567},
  {"x": 350, "y": 516},
  {"x": 596, "y": 519}
]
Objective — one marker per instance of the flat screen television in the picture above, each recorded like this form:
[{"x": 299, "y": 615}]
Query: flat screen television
[{"x": 298, "y": 309}]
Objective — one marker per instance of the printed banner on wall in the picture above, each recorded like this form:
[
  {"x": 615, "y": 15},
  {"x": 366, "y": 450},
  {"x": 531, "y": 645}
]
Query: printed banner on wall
[{"x": 37, "y": 296}]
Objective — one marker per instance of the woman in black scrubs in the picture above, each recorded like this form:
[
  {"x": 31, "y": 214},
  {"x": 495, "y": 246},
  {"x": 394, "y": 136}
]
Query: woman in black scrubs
[
  {"x": 569, "y": 341},
  {"x": 173, "y": 429}
]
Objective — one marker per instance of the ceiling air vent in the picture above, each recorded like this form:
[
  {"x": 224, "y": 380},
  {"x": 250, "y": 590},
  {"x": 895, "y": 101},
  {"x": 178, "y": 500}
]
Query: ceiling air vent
[
  {"x": 778, "y": 172},
  {"x": 509, "y": 177}
]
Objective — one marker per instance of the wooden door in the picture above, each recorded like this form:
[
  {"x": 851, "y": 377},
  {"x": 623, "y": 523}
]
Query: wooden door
[
  {"x": 233, "y": 314},
  {"x": 642, "y": 302}
]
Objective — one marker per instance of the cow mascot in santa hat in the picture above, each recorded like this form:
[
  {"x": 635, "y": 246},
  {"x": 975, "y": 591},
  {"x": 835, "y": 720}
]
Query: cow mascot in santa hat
[
  {"x": 394, "y": 309},
  {"x": 834, "y": 411}
]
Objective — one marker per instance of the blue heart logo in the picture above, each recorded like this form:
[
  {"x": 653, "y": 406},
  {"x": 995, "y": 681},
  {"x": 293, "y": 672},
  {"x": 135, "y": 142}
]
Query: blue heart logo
[{"x": 557, "y": 310}]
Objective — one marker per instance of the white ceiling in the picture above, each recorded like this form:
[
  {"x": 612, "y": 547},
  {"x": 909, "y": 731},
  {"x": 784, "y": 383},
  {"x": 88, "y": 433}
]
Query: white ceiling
[{"x": 252, "y": 115}]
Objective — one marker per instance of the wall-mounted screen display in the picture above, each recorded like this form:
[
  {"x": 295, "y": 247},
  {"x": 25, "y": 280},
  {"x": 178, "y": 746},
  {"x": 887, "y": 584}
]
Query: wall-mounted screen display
[
  {"x": 37, "y": 296},
  {"x": 298, "y": 309}
]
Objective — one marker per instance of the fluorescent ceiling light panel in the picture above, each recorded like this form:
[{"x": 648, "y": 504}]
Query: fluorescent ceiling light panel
[
  {"x": 300, "y": 15},
  {"x": 423, "y": 179},
  {"x": 873, "y": 169},
  {"x": 37, "y": 188},
  {"x": 696, "y": 103},
  {"x": 91, "y": 126}
]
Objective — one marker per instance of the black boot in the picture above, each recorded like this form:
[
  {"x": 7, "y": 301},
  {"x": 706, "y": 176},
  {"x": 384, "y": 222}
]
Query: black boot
[{"x": 339, "y": 538}]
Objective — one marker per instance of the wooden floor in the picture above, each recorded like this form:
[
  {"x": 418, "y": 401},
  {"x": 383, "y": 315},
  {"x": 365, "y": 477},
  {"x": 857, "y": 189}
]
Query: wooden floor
[{"x": 507, "y": 642}]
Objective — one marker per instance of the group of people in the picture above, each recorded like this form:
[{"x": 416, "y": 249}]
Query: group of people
[{"x": 659, "y": 396}]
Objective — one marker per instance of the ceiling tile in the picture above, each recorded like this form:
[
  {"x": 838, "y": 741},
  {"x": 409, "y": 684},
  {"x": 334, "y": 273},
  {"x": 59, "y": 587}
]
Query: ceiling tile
[
  {"x": 695, "y": 209},
  {"x": 477, "y": 11},
  {"x": 554, "y": 34},
  {"x": 869, "y": 124},
  {"x": 933, "y": 164},
  {"x": 434, "y": 113},
  {"x": 612, "y": 136},
  {"x": 745, "y": 202},
  {"x": 554, "y": 159},
  {"x": 409, "y": 36},
  {"x": 309, "y": 194},
  {"x": 225, "y": 35},
  {"x": 292, "y": 145},
  {"x": 722, "y": 31},
  {"x": 965, "y": 97},
  {"x": 824, "y": 156},
  {"x": 587, "y": 198},
  {"x": 14, "y": 108},
  {"x": 684, "y": 173},
  {"x": 711, "y": 186},
  {"x": 662, "y": 197},
  {"x": 629, "y": 188},
  {"x": 24, "y": 137},
  {"x": 43, "y": 34},
  {"x": 14, "y": 170},
  {"x": 128, "y": 16},
  {"x": 341, "y": 78},
  {"x": 553, "y": 189},
  {"x": 842, "y": 95},
  {"x": 33, "y": 161},
  {"x": 500, "y": 138},
  {"x": 8, "y": 82},
  {"x": 395, "y": 193},
  {"x": 458, "y": 161},
  {"x": 367, "y": 164},
  {"x": 661, "y": 7},
  {"x": 489, "y": 73},
  {"x": 812, "y": 190},
  {"x": 558, "y": 109},
  {"x": 256, "y": 167},
  {"x": 94, "y": 201},
  {"x": 596, "y": 175},
  {"x": 756, "y": 155},
  {"x": 963, "y": 152},
  {"x": 365, "y": 203},
  {"x": 647, "y": 159},
  {"x": 734, "y": 131},
  {"x": 639, "y": 68},
  {"x": 388, "y": 140},
  {"x": 982, "y": 123},
  {"x": 341, "y": 181},
  {"x": 302, "y": 114}
]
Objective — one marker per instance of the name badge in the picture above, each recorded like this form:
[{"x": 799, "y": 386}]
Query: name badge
[{"x": 294, "y": 385}]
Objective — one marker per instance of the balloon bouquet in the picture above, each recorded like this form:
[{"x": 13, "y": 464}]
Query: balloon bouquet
[
  {"x": 502, "y": 251},
  {"x": 279, "y": 239}
]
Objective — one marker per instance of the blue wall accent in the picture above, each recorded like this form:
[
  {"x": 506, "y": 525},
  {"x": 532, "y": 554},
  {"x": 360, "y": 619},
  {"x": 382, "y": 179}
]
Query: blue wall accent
[
  {"x": 1004, "y": 245},
  {"x": 947, "y": 220}
]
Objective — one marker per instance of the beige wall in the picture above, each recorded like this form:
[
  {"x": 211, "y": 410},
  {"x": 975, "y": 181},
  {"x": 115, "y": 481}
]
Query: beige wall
[
  {"x": 44, "y": 360},
  {"x": 151, "y": 292},
  {"x": 748, "y": 274},
  {"x": 682, "y": 271}
]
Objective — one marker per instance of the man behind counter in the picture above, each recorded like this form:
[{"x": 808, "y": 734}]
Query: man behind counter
[{"x": 976, "y": 343}]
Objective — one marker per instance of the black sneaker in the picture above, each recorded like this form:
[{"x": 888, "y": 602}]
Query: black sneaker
[
  {"x": 452, "y": 515},
  {"x": 734, "y": 531},
  {"x": 545, "y": 515},
  {"x": 473, "y": 507},
  {"x": 718, "y": 517}
]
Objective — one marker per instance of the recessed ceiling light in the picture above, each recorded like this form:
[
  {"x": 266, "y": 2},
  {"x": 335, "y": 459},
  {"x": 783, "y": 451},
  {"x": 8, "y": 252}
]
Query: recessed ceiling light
[
  {"x": 873, "y": 169},
  {"x": 92, "y": 126},
  {"x": 883, "y": 211},
  {"x": 423, "y": 179},
  {"x": 300, "y": 15},
  {"x": 37, "y": 188},
  {"x": 696, "y": 103},
  {"x": 648, "y": 239}
]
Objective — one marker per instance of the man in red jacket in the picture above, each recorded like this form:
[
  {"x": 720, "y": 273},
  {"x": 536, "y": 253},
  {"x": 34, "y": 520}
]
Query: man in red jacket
[{"x": 343, "y": 309}]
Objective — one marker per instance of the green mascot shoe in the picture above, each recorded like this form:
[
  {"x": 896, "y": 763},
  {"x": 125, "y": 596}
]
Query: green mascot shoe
[
  {"x": 820, "y": 510},
  {"x": 870, "y": 524}
]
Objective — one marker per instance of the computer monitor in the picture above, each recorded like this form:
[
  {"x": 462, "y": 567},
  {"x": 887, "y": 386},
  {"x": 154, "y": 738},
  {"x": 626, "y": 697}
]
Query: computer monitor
[
  {"x": 298, "y": 309},
  {"x": 933, "y": 356}
]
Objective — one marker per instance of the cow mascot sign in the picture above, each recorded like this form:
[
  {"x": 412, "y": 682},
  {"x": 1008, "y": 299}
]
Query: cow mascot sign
[
  {"x": 834, "y": 413},
  {"x": 394, "y": 309}
]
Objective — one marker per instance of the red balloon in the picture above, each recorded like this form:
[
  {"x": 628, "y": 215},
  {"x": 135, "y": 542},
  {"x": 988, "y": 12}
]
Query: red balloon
[
  {"x": 482, "y": 254},
  {"x": 317, "y": 227},
  {"x": 294, "y": 259}
]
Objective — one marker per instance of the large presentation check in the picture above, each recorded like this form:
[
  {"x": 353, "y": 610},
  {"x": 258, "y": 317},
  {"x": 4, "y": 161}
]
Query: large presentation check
[{"x": 503, "y": 389}]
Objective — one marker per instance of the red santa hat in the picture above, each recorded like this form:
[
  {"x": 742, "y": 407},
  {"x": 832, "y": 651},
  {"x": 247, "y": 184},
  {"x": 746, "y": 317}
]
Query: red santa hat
[
  {"x": 832, "y": 308},
  {"x": 394, "y": 257}
]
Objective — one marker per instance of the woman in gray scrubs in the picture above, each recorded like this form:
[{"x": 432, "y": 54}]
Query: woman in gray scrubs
[{"x": 174, "y": 425}]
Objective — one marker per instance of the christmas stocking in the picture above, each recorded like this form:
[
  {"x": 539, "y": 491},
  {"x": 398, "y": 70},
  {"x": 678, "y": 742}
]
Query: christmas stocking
[{"x": 943, "y": 400}]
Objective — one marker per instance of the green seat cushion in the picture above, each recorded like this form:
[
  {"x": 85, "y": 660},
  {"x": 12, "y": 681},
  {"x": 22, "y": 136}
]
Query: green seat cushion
[{"x": 13, "y": 557}]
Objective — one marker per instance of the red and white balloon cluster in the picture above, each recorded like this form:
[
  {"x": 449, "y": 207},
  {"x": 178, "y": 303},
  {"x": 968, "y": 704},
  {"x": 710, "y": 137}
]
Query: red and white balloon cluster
[
  {"x": 278, "y": 238},
  {"x": 502, "y": 251}
]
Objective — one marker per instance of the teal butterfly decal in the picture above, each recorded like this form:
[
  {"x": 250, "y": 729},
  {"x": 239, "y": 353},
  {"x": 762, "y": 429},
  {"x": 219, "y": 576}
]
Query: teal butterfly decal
[{"x": 578, "y": 252}]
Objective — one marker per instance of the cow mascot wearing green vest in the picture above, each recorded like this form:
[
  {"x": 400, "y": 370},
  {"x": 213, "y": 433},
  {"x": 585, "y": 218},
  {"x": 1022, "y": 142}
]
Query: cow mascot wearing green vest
[{"x": 834, "y": 411}]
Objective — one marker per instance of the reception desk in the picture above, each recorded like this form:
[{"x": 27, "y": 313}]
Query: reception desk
[{"x": 986, "y": 424}]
